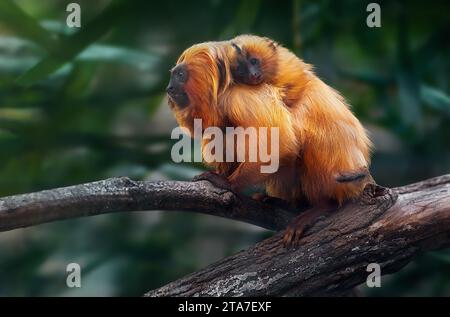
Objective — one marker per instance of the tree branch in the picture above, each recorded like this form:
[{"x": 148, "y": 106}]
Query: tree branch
[
  {"x": 385, "y": 226},
  {"x": 123, "y": 194},
  {"x": 388, "y": 228}
]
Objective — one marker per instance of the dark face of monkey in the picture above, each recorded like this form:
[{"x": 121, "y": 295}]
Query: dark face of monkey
[
  {"x": 247, "y": 69},
  {"x": 175, "y": 90}
]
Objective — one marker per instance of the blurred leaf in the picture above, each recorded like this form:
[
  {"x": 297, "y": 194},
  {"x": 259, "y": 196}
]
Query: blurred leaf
[
  {"x": 16, "y": 61},
  {"x": 296, "y": 22},
  {"x": 409, "y": 97},
  {"x": 179, "y": 171},
  {"x": 70, "y": 46},
  {"x": 12, "y": 44},
  {"x": 16, "y": 65},
  {"x": 79, "y": 80},
  {"x": 366, "y": 76},
  {"x": 17, "y": 54},
  {"x": 57, "y": 27},
  {"x": 14, "y": 17},
  {"x": 41, "y": 70},
  {"x": 445, "y": 258},
  {"x": 140, "y": 60},
  {"x": 433, "y": 45},
  {"x": 6, "y": 135},
  {"x": 407, "y": 81},
  {"x": 155, "y": 102},
  {"x": 246, "y": 15},
  {"x": 435, "y": 98},
  {"x": 26, "y": 115}
]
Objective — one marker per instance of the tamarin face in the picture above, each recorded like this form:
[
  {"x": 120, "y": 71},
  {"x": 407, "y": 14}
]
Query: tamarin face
[
  {"x": 246, "y": 68},
  {"x": 201, "y": 73},
  {"x": 191, "y": 80},
  {"x": 254, "y": 60},
  {"x": 179, "y": 76}
]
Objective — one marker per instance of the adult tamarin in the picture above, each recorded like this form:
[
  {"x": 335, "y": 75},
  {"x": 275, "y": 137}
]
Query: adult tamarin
[
  {"x": 201, "y": 87},
  {"x": 321, "y": 141}
]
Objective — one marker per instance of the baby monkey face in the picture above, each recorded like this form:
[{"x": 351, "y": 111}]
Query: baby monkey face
[{"x": 247, "y": 67}]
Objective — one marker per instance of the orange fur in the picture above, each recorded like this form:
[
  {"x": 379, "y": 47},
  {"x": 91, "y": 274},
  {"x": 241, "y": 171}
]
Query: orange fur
[
  {"x": 203, "y": 88},
  {"x": 319, "y": 136},
  {"x": 331, "y": 137},
  {"x": 279, "y": 66}
]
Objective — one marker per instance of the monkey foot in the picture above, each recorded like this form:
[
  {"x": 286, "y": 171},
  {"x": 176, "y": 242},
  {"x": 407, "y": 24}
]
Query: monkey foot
[
  {"x": 270, "y": 200},
  {"x": 300, "y": 224},
  {"x": 214, "y": 178}
]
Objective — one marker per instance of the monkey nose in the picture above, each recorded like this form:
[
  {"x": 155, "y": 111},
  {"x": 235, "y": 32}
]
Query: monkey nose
[
  {"x": 170, "y": 89},
  {"x": 256, "y": 77}
]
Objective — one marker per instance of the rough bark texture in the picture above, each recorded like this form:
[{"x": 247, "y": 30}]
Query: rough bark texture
[
  {"x": 123, "y": 194},
  {"x": 388, "y": 228}
]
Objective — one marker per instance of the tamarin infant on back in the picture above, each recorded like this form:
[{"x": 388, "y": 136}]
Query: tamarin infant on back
[{"x": 252, "y": 81}]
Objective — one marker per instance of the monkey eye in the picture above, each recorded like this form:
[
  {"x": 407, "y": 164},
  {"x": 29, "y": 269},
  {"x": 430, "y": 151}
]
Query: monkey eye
[
  {"x": 180, "y": 75},
  {"x": 254, "y": 61}
]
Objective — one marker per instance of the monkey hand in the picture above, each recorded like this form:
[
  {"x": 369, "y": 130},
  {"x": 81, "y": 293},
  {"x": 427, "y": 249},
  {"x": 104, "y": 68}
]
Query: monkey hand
[{"x": 214, "y": 178}]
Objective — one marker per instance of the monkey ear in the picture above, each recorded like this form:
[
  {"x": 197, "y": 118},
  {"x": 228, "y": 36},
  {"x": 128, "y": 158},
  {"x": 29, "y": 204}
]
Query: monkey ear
[
  {"x": 272, "y": 44},
  {"x": 238, "y": 49},
  {"x": 222, "y": 72}
]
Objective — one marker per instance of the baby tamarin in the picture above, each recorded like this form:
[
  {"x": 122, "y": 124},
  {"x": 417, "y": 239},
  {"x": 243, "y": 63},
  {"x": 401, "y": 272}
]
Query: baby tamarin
[
  {"x": 255, "y": 60},
  {"x": 321, "y": 143}
]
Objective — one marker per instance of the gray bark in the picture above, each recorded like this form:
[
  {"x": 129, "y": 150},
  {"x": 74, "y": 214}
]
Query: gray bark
[
  {"x": 389, "y": 229},
  {"x": 124, "y": 194},
  {"x": 385, "y": 226}
]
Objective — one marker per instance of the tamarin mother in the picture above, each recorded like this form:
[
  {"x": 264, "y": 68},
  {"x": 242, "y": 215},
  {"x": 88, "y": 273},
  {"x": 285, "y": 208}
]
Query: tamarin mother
[{"x": 324, "y": 150}]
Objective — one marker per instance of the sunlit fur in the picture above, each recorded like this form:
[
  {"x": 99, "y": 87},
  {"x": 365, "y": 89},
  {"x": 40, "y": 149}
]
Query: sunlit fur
[
  {"x": 319, "y": 136},
  {"x": 202, "y": 86},
  {"x": 331, "y": 137},
  {"x": 279, "y": 66}
]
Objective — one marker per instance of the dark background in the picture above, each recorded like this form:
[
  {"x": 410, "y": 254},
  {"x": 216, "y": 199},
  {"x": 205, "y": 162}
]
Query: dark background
[{"x": 78, "y": 105}]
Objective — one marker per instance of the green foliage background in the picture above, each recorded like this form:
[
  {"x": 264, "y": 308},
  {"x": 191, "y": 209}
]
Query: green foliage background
[{"x": 78, "y": 105}]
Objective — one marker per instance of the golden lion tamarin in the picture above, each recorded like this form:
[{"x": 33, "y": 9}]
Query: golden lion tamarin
[{"x": 322, "y": 146}]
